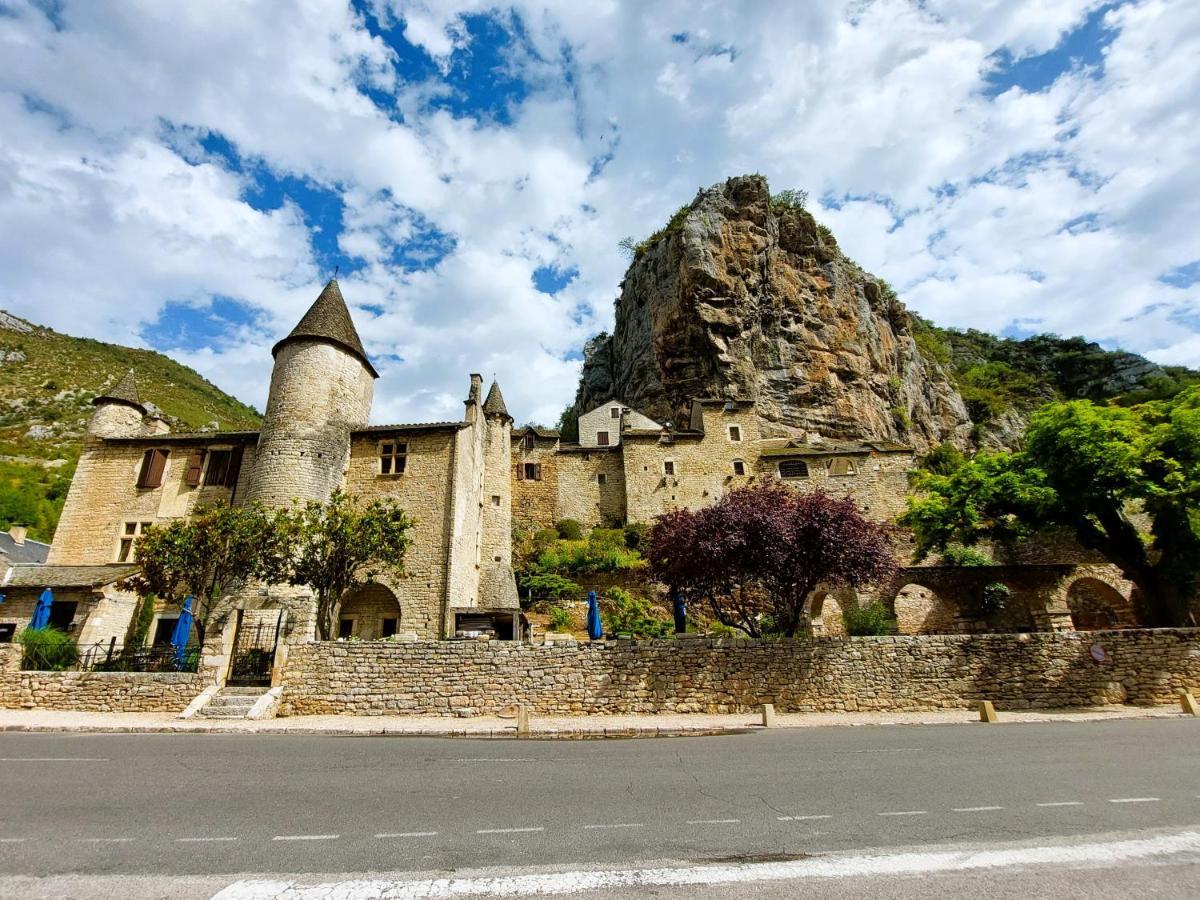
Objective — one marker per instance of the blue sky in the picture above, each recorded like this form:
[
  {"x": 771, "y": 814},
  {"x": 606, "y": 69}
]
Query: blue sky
[{"x": 186, "y": 179}]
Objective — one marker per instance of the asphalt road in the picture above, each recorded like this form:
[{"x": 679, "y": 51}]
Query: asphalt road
[{"x": 93, "y": 810}]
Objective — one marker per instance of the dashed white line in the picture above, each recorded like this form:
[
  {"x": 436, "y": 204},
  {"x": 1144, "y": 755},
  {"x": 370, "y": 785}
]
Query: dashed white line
[
  {"x": 54, "y": 759},
  {"x": 905, "y": 812},
  {"x": 106, "y": 840},
  {"x": 508, "y": 830},
  {"x": 406, "y": 834},
  {"x": 618, "y": 825},
  {"x": 975, "y": 808},
  {"x": 12, "y": 840},
  {"x": 801, "y": 818},
  {"x": 1134, "y": 800},
  {"x": 306, "y": 837},
  {"x": 204, "y": 840},
  {"x": 713, "y": 821},
  {"x": 1064, "y": 803}
]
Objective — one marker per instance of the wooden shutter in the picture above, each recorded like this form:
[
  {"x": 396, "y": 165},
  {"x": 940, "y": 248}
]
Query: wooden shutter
[
  {"x": 235, "y": 466},
  {"x": 154, "y": 464},
  {"x": 194, "y": 469},
  {"x": 537, "y": 472},
  {"x": 520, "y": 471}
]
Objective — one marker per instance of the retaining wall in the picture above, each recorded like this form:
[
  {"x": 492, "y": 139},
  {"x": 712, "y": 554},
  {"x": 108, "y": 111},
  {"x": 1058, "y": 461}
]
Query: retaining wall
[
  {"x": 727, "y": 675},
  {"x": 95, "y": 691}
]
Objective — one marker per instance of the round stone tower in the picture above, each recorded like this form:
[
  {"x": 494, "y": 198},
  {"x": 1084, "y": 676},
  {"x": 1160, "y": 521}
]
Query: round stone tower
[
  {"x": 321, "y": 390},
  {"x": 119, "y": 411}
]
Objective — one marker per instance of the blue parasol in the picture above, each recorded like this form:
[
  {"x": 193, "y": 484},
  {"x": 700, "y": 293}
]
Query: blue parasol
[
  {"x": 680, "y": 614},
  {"x": 41, "y": 612},
  {"x": 183, "y": 631},
  {"x": 595, "y": 631}
]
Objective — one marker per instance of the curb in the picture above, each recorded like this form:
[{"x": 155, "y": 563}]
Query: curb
[{"x": 494, "y": 734}]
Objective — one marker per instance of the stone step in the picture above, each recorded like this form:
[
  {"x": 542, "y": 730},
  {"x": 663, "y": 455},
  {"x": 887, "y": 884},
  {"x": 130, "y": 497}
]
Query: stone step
[
  {"x": 232, "y": 691},
  {"x": 235, "y": 701},
  {"x": 224, "y": 712}
]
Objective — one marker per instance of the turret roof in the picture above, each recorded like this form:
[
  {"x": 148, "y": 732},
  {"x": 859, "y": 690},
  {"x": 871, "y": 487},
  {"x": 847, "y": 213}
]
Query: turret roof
[
  {"x": 124, "y": 391},
  {"x": 494, "y": 404},
  {"x": 328, "y": 319}
]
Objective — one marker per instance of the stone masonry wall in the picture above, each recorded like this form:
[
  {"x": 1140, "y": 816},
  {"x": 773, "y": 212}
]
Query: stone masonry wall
[
  {"x": 94, "y": 691},
  {"x": 728, "y": 675}
]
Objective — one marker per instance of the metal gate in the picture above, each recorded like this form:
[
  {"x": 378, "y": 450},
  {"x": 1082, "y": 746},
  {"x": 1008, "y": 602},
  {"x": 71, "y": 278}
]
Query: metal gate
[{"x": 253, "y": 652}]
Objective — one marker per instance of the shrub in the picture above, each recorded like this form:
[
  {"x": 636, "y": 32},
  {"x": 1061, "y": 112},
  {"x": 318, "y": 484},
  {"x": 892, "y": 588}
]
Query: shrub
[
  {"x": 944, "y": 459},
  {"x": 789, "y": 199},
  {"x": 549, "y": 586},
  {"x": 636, "y": 535},
  {"x": 869, "y": 620},
  {"x": 561, "y": 620},
  {"x": 569, "y": 530},
  {"x": 994, "y": 597},
  {"x": 958, "y": 555},
  {"x": 47, "y": 650},
  {"x": 623, "y": 613}
]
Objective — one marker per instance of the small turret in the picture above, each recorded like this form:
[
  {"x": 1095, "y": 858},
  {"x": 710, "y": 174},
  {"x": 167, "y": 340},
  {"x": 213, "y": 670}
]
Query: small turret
[
  {"x": 119, "y": 411},
  {"x": 494, "y": 404}
]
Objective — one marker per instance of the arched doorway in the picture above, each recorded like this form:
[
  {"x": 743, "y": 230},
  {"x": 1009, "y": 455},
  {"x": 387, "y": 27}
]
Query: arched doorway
[
  {"x": 1097, "y": 606},
  {"x": 922, "y": 610},
  {"x": 825, "y": 613},
  {"x": 369, "y": 613}
]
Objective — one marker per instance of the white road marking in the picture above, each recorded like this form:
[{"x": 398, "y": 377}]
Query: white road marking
[
  {"x": 1063, "y": 803},
  {"x": 204, "y": 840},
  {"x": 1134, "y": 800},
  {"x": 905, "y": 812},
  {"x": 508, "y": 830},
  {"x": 975, "y": 808},
  {"x": 893, "y": 750},
  {"x": 489, "y": 759},
  {"x": 54, "y": 759},
  {"x": 306, "y": 837},
  {"x": 106, "y": 840},
  {"x": 12, "y": 840},
  {"x": 619, "y": 825},
  {"x": 801, "y": 818},
  {"x": 713, "y": 821},
  {"x": 403, "y": 834},
  {"x": 1109, "y": 854}
]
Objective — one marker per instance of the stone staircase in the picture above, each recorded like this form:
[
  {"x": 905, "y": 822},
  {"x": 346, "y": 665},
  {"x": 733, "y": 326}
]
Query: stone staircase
[{"x": 232, "y": 703}]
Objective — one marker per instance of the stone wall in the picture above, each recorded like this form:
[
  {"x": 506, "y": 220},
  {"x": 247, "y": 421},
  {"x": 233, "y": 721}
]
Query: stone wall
[
  {"x": 591, "y": 487},
  {"x": 94, "y": 691},
  {"x": 728, "y": 675}
]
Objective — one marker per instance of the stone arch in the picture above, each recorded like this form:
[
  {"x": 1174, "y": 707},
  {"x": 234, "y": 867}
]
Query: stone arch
[
  {"x": 369, "y": 612},
  {"x": 825, "y": 611},
  {"x": 920, "y": 609},
  {"x": 1098, "y": 605}
]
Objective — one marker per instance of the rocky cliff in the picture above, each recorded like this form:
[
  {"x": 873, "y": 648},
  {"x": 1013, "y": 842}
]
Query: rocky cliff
[{"x": 742, "y": 296}]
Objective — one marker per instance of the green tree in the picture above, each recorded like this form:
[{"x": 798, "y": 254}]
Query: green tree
[
  {"x": 209, "y": 555},
  {"x": 1098, "y": 470},
  {"x": 340, "y": 545}
]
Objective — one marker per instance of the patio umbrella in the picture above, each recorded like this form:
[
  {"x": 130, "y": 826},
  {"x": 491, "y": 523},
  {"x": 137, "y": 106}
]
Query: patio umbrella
[
  {"x": 41, "y": 612},
  {"x": 183, "y": 631},
  {"x": 595, "y": 631},
  {"x": 680, "y": 615}
]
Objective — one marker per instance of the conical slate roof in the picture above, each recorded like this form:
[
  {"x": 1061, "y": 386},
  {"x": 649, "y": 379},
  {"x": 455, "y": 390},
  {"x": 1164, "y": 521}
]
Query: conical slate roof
[
  {"x": 494, "y": 404},
  {"x": 124, "y": 391},
  {"x": 328, "y": 319}
]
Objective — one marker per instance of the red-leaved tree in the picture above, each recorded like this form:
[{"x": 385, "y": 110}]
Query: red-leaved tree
[{"x": 754, "y": 557}]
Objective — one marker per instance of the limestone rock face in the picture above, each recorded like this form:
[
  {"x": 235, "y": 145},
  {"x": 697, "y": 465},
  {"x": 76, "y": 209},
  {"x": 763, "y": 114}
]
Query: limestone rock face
[{"x": 740, "y": 298}]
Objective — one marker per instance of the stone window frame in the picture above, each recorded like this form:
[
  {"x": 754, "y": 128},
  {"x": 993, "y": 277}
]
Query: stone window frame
[
  {"x": 495, "y": 499},
  {"x": 739, "y": 464},
  {"x": 601, "y": 479},
  {"x": 731, "y": 430},
  {"x": 128, "y": 533},
  {"x": 394, "y": 463},
  {"x": 669, "y": 469},
  {"x": 792, "y": 462}
]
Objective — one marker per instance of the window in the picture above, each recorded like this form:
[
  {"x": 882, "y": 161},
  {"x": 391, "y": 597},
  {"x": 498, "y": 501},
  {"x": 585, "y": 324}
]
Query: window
[
  {"x": 164, "y": 630},
  {"x": 602, "y": 438},
  {"x": 195, "y": 468},
  {"x": 601, "y": 478},
  {"x": 529, "y": 442},
  {"x": 668, "y": 467},
  {"x": 735, "y": 433},
  {"x": 530, "y": 471},
  {"x": 587, "y": 457},
  {"x": 842, "y": 466},
  {"x": 62, "y": 614},
  {"x": 346, "y": 628},
  {"x": 154, "y": 464},
  {"x": 793, "y": 468},
  {"x": 130, "y": 532},
  {"x": 392, "y": 458},
  {"x": 6, "y": 632},
  {"x": 616, "y": 412},
  {"x": 388, "y": 627},
  {"x": 223, "y": 468},
  {"x": 739, "y": 467},
  {"x": 495, "y": 499}
]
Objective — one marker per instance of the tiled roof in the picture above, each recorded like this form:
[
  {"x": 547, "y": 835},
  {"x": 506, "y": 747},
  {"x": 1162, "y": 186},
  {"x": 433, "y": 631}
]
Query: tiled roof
[
  {"x": 548, "y": 433},
  {"x": 412, "y": 426},
  {"x": 27, "y": 552},
  {"x": 494, "y": 404},
  {"x": 190, "y": 437},
  {"x": 328, "y": 319},
  {"x": 66, "y": 576},
  {"x": 124, "y": 391}
]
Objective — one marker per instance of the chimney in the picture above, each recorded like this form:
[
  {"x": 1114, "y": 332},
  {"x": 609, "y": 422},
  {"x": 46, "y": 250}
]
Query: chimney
[{"x": 17, "y": 533}]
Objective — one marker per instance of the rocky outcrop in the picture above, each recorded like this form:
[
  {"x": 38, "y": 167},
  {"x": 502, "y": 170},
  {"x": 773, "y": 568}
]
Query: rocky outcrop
[{"x": 742, "y": 297}]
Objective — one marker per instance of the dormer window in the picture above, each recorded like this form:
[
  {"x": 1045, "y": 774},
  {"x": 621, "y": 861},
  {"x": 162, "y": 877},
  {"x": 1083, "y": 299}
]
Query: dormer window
[
  {"x": 393, "y": 457},
  {"x": 529, "y": 442}
]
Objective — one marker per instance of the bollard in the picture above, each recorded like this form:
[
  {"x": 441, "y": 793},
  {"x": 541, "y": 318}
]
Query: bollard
[
  {"x": 1188, "y": 703},
  {"x": 768, "y": 715},
  {"x": 987, "y": 711},
  {"x": 522, "y": 721}
]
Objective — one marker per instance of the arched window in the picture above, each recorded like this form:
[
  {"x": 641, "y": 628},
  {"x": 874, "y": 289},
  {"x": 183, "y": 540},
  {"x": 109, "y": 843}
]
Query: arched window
[{"x": 842, "y": 466}]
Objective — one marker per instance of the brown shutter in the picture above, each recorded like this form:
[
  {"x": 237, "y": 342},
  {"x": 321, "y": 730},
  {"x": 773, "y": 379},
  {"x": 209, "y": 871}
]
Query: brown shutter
[
  {"x": 537, "y": 472},
  {"x": 195, "y": 467},
  {"x": 520, "y": 471},
  {"x": 154, "y": 463},
  {"x": 235, "y": 467}
]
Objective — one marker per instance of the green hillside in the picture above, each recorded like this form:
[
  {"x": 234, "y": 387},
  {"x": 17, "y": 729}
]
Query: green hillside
[{"x": 47, "y": 382}]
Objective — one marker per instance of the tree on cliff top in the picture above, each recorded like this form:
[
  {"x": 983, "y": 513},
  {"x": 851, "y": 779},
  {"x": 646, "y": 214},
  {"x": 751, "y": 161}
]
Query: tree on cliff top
[
  {"x": 1097, "y": 470},
  {"x": 758, "y": 553}
]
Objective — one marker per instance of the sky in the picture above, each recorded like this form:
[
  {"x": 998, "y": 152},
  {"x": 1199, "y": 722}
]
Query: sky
[{"x": 186, "y": 176}]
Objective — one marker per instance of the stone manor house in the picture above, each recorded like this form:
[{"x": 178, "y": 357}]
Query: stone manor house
[{"x": 463, "y": 482}]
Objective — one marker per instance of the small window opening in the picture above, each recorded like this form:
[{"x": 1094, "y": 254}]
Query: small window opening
[
  {"x": 531, "y": 471},
  {"x": 393, "y": 457},
  {"x": 346, "y": 628},
  {"x": 735, "y": 433},
  {"x": 669, "y": 467},
  {"x": 739, "y": 467},
  {"x": 602, "y": 438},
  {"x": 529, "y": 442},
  {"x": 793, "y": 468},
  {"x": 388, "y": 628},
  {"x": 616, "y": 412},
  {"x": 223, "y": 467},
  {"x": 602, "y": 478},
  {"x": 130, "y": 533},
  {"x": 495, "y": 499}
]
